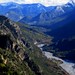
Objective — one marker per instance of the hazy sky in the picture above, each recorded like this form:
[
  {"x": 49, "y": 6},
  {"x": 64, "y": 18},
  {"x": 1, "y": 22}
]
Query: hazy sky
[{"x": 44, "y": 2}]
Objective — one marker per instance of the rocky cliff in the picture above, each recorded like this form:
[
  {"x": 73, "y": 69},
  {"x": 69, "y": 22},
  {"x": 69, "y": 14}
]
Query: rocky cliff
[
  {"x": 10, "y": 39},
  {"x": 19, "y": 57}
]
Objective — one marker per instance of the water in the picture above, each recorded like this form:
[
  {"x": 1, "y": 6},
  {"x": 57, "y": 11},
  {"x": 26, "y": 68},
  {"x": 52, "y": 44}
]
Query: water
[{"x": 66, "y": 65}]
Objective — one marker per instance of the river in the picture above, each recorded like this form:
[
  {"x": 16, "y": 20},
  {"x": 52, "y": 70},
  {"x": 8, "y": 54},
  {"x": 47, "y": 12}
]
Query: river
[{"x": 67, "y": 66}]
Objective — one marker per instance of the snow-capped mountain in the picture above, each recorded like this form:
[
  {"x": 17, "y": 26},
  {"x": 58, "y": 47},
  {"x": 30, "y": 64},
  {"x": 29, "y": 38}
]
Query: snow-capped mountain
[
  {"x": 35, "y": 13},
  {"x": 51, "y": 15},
  {"x": 17, "y": 11}
]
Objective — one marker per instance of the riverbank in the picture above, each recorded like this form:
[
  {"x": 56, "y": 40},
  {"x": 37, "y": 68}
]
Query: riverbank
[{"x": 67, "y": 66}]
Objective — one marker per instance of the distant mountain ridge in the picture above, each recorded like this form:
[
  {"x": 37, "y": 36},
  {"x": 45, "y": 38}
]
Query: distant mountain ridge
[
  {"x": 64, "y": 38},
  {"x": 26, "y": 13}
]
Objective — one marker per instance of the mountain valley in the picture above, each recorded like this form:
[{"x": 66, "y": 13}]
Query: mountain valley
[{"x": 29, "y": 30}]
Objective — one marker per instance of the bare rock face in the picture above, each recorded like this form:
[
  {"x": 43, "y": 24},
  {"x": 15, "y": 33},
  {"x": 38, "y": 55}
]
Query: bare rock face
[
  {"x": 10, "y": 39},
  {"x": 10, "y": 36},
  {"x": 9, "y": 26}
]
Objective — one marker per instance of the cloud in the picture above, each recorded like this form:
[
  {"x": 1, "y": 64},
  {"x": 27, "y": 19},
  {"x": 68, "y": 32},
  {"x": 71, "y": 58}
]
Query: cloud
[{"x": 44, "y": 2}]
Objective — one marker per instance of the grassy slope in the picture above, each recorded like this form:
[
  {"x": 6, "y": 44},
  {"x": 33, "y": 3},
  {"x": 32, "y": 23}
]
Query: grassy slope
[
  {"x": 14, "y": 65},
  {"x": 47, "y": 67}
]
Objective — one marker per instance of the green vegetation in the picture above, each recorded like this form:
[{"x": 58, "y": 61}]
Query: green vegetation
[
  {"x": 64, "y": 48},
  {"x": 47, "y": 67},
  {"x": 19, "y": 55},
  {"x": 11, "y": 64},
  {"x": 32, "y": 34}
]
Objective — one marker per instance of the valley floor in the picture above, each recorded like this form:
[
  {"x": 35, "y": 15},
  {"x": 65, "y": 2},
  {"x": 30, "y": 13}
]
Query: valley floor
[{"x": 67, "y": 66}]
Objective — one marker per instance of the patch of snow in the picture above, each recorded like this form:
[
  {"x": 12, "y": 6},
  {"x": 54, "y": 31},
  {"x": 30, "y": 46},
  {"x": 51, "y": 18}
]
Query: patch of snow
[{"x": 59, "y": 8}]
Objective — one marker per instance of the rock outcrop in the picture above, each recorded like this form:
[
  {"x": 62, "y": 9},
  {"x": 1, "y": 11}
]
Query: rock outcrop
[{"x": 10, "y": 39}]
